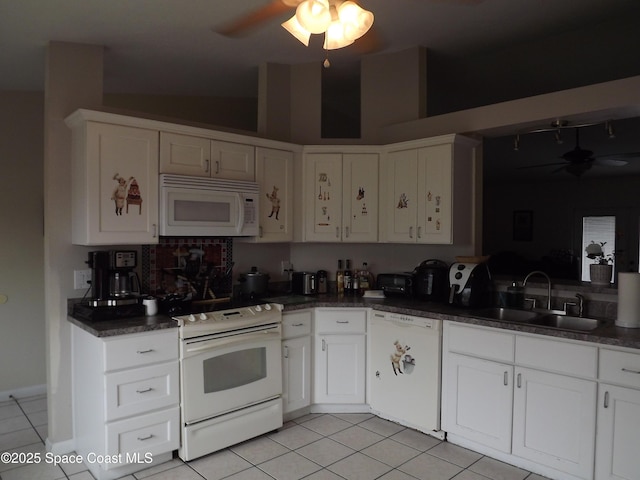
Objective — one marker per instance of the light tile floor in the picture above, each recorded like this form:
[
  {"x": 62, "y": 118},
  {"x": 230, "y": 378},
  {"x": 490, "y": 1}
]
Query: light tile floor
[{"x": 314, "y": 447}]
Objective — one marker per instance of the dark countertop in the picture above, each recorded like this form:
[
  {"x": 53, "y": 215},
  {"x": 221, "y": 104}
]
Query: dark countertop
[{"x": 605, "y": 334}]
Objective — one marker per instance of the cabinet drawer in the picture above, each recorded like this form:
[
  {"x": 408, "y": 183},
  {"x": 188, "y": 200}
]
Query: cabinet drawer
[
  {"x": 296, "y": 324},
  {"x": 557, "y": 356},
  {"x": 620, "y": 367},
  {"x": 479, "y": 342},
  {"x": 341, "y": 321},
  {"x": 154, "y": 433},
  {"x": 130, "y": 351},
  {"x": 131, "y": 392}
]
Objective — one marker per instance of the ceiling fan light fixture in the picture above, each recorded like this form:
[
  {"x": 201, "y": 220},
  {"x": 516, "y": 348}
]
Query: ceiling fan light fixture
[
  {"x": 335, "y": 37},
  {"x": 314, "y": 15},
  {"x": 356, "y": 20},
  {"x": 298, "y": 31}
]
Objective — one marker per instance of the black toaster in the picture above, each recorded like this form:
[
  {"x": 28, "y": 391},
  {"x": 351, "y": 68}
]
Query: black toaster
[{"x": 395, "y": 284}]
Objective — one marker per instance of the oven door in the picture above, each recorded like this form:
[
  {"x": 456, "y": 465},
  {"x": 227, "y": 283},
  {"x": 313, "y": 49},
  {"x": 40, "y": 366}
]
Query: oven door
[{"x": 225, "y": 372}]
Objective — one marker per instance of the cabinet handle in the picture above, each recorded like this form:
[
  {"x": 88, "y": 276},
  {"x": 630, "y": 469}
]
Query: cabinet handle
[
  {"x": 337, "y": 232},
  {"x": 506, "y": 378},
  {"x": 142, "y": 352},
  {"x": 286, "y": 352},
  {"x": 629, "y": 370},
  {"x": 606, "y": 400},
  {"x": 342, "y": 321},
  {"x": 519, "y": 380},
  {"x": 410, "y": 232},
  {"x": 419, "y": 232},
  {"x": 144, "y": 390},
  {"x": 260, "y": 231},
  {"x": 324, "y": 345},
  {"x": 297, "y": 324},
  {"x": 346, "y": 231},
  {"x": 148, "y": 437},
  {"x": 206, "y": 165},
  {"x": 217, "y": 167},
  {"x": 154, "y": 229}
]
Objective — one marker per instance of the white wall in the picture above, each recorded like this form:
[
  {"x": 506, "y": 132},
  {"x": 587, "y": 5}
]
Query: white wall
[
  {"x": 73, "y": 80},
  {"x": 22, "y": 343}
]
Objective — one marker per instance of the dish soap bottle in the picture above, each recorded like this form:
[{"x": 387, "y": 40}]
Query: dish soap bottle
[{"x": 515, "y": 295}]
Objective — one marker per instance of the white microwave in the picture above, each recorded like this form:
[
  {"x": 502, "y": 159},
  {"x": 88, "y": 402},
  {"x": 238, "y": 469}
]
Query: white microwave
[{"x": 201, "y": 206}]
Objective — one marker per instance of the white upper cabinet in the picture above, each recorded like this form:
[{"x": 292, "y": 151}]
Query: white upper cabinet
[
  {"x": 424, "y": 184},
  {"x": 204, "y": 157},
  {"x": 341, "y": 196},
  {"x": 114, "y": 182},
  {"x": 274, "y": 172}
]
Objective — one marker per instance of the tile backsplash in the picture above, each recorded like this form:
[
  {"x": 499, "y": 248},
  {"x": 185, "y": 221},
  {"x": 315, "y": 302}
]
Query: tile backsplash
[{"x": 177, "y": 265}]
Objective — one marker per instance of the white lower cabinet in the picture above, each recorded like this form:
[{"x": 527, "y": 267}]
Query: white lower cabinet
[
  {"x": 554, "y": 422},
  {"x": 479, "y": 400},
  {"x": 126, "y": 400},
  {"x": 618, "y": 416},
  {"x": 340, "y": 342},
  {"x": 521, "y": 398},
  {"x": 296, "y": 360}
]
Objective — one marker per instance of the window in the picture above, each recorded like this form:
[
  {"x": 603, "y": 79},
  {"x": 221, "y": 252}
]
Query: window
[{"x": 597, "y": 229}]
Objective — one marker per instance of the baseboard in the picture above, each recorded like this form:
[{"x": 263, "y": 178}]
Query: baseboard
[
  {"x": 23, "y": 392},
  {"x": 60, "y": 448}
]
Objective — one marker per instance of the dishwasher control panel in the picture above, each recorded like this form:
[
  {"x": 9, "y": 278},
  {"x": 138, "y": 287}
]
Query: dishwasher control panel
[{"x": 413, "y": 320}]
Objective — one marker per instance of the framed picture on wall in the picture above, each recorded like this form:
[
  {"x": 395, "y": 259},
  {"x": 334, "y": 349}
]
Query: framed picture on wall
[{"x": 523, "y": 225}]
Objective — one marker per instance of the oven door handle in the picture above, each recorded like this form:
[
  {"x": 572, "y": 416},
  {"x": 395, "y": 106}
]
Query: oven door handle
[{"x": 192, "y": 348}]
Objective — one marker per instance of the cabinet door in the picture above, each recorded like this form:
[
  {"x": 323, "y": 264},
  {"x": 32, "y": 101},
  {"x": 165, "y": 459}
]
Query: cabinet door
[
  {"x": 554, "y": 421},
  {"x": 360, "y": 197},
  {"x": 233, "y": 161},
  {"x": 401, "y": 199},
  {"x": 618, "y": 433},
  {"x": 323, "y": 192},
  {"x": 340, "y": 369},
  {"x": 296, "y": 373},
  {"x": 115, "y": 186},
  {"x": 434, "y": 195},
  {"x": 185, "y": 154},
  {"x": 477, "y": 400},
  {"x": 274, "y": 172}
]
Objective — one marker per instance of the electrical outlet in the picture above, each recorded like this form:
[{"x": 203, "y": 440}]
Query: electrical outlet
[
  {"x": 81, "y": 279},
  {"x": 285, "y": 266}
]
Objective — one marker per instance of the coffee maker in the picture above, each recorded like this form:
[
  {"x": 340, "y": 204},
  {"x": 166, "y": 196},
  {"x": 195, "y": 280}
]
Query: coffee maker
[{"x": 115, "y": 286}]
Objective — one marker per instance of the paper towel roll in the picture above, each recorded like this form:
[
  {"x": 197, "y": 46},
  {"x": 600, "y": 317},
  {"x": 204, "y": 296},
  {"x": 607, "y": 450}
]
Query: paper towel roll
[{"x": 628, "y": 300}]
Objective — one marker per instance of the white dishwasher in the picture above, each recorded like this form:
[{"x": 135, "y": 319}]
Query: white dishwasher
[{"x": 404, "y": 373}]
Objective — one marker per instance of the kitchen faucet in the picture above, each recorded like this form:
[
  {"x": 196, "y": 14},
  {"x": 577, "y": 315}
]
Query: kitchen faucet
[{"x": 539, "y": 272}]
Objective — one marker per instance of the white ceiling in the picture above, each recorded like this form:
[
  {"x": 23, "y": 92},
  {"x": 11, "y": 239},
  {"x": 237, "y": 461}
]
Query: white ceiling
[{"x": 169, "y": 46}]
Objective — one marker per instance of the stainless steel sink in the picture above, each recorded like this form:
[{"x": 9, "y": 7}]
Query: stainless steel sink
[
  {"x": 506, "y": 314},
  {"x": 543, "y": 319},
  {"x": 565, "y": 322}
]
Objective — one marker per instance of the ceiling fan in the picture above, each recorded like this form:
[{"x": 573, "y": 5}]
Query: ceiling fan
[
  {"x": 273, "y": 9},
  {"x": 366, "y": 38},
  {"x": 579, "y": 160}
]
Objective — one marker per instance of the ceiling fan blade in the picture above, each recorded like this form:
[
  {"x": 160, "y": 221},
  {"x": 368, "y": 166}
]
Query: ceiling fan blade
[
  {"x": 620, "y": 156},
  {"x": 610, "y": 162},
  {"x": 542, "y": 165},
  {"x": 253, "y": 19}
]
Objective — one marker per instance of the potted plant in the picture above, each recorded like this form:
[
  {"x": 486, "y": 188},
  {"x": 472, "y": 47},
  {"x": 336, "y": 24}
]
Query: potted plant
[{"x": 602, "y": 269}]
